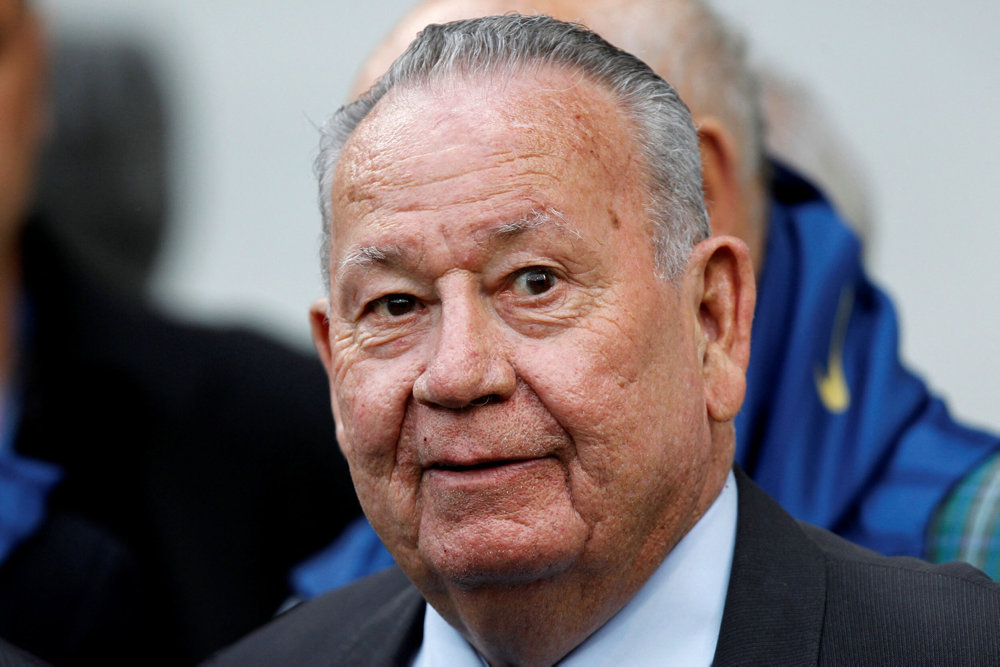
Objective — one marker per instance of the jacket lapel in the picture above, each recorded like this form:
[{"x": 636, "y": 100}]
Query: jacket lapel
[
  {"x": 392, "y": 635},
  {"x": 777, "y": 588}
]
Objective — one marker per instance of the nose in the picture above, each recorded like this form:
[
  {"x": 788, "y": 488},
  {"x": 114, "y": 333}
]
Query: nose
[{"x": 467, "y": 364}]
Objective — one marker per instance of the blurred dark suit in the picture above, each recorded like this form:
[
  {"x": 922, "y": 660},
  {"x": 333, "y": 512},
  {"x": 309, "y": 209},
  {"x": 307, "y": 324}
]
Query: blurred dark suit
[{"x": 199, "y": 467}]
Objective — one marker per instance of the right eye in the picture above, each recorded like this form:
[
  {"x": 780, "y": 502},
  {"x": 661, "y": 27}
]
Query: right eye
[
  {"x": 394, "y": 305},
  {"x": 534, "y": 281}
]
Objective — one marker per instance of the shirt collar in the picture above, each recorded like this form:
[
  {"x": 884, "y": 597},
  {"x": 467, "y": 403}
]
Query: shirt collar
[{"x": 673, "y": 619}]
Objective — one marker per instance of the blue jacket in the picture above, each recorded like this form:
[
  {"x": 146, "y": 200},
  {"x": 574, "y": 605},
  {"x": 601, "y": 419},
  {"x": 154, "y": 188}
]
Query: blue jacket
[{"x": 833, "y": 427}]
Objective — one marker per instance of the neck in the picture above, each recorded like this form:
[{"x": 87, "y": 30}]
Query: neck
[{"x": 538, "y": 624}]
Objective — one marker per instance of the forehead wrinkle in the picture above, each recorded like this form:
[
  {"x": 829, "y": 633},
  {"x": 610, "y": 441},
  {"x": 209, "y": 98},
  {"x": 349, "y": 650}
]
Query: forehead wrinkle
[
  {"x": 394, "y": 256},
  {"x": 374, "y": 180}
]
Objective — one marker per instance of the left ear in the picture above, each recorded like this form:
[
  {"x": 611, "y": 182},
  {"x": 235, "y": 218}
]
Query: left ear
[{"x": 724, "y": 293}]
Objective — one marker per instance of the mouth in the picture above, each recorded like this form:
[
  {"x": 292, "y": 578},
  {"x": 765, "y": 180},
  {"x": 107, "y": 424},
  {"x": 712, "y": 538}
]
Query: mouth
[
  {"x": 487, "y": 476},
  {"x": 494, "y": 469},
  {"x": 484, "y": 465}
]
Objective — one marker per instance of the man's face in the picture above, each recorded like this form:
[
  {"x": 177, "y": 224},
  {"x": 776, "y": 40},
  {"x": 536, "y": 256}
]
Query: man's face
[
  {"x": 518, "y": 394},
  {"x": 21, "y": 65}
]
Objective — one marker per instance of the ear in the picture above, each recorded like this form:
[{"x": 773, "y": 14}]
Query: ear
[
  {"x": 720, "y": 173},
  {"x": 319, "y": 321},
  {"x": 724, "y": 291}
]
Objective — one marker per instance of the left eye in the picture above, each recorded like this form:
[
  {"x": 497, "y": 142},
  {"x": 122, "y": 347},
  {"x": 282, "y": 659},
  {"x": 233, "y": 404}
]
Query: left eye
[
  {"x": 394, "y": 305},
  {"x": 534, "y": 281}
]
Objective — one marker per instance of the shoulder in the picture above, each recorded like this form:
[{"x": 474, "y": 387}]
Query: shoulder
[
  {"x": 848, "y": 564},
  {"x": 375, "y": 621},
  {"x": 878, "y": 607},
  {"x": 135, "y": 348},
  {"x": 801, "y": 595},
  {"x": 11, "y": 656}
]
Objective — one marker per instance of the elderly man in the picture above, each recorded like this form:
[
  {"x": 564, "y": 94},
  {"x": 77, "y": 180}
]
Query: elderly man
[
  {"x": 833, "y": 426},
  {"x": 536, "y": 352}
]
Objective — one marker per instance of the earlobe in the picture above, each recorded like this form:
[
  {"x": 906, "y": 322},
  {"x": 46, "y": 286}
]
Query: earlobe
[
  {"x": 725, "y": 312},
  {"x": 319, "y": 321}
]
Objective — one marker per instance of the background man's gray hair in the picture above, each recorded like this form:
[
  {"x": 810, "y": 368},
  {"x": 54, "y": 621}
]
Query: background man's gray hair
[
  {"x": 703, "y": 55},
  {"x": 664, "y": 135}
]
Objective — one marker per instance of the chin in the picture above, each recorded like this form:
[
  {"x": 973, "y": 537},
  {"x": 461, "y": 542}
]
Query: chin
[
  {"x": 471, "y": 559},
  {"x": 500, "y": 572}
]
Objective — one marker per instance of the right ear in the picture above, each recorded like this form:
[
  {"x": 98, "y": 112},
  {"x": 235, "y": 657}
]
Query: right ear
[{"x": 319, "y": 321}]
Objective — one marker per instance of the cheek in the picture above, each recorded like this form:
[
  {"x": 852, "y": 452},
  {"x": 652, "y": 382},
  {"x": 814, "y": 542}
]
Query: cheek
[
  {"x": 614, "y": 371},
  {"x": 370, "y": 399},
  {"x": 627, "y": 391},
  {"x": 635, "y": 429}
]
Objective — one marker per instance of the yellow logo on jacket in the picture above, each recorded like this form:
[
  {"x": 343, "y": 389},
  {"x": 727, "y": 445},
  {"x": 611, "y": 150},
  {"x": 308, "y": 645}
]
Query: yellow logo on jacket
[{"x": 831, "y": 383}]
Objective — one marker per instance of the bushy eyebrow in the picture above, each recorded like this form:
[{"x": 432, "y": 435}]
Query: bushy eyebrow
[
  {"x": 534, "y": 220},
  {"x": 367, "y": 255},
  {"x": 393, "y": 255}
]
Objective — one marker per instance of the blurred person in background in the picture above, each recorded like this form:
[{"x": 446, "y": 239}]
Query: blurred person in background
[
  {"x": 103, "y": 184},
  {"x": 157, "y": 480},
  {"x": 834, "y": 426}
]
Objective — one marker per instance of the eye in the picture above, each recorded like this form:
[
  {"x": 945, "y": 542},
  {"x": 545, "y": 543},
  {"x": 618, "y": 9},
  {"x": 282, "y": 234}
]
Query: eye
[
  {"x": 534, "y": 281},
  {"x": 394, "y": 305}
]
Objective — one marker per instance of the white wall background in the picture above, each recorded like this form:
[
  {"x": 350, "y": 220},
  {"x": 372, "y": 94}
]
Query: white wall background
[{"x": 913, "y": 85}]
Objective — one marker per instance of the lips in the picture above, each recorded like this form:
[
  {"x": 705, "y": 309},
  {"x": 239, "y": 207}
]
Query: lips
[
  {"x": 484, "y": 465},
  {"x": 493, "y": 472}
]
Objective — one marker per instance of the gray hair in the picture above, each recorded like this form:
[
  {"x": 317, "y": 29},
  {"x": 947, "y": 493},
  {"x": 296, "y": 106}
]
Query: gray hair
[{"x": 664, "y": 135}]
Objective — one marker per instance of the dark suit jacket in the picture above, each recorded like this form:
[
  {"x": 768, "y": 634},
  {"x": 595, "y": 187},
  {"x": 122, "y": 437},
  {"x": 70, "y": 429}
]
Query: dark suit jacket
[
  {"x": 798, "y": 595},
  {"x": 11, "y": 656},
  {"x": 200, "y": 466}
]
